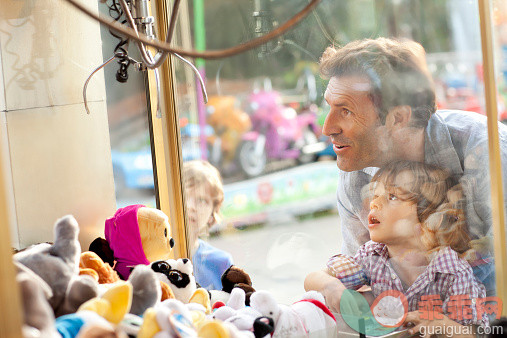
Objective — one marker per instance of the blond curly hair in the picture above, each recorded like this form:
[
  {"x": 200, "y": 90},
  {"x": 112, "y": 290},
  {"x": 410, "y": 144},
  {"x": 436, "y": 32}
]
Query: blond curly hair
[{"x": 439, "y": 199}]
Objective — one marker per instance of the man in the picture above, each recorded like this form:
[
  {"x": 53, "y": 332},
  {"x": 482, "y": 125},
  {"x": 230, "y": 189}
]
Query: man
[{"x": 383, "y": 109}]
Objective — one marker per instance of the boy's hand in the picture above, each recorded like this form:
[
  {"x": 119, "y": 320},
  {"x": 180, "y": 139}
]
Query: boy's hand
[{"x": 425, "y": 326}]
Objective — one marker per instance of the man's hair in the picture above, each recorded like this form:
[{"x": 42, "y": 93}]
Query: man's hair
[
  {"x": 439, "y": 199},
  {"x": 397, "y": 71},
  {"x": 199, "y": 173}
]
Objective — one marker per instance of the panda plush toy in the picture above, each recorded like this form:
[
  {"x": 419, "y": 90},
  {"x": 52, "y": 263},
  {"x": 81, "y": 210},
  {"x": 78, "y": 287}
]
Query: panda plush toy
[{"x": 178, "y": 274}]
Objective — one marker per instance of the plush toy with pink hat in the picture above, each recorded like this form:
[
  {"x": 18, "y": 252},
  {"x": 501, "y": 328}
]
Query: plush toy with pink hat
[{"x": 135, "y": 235}]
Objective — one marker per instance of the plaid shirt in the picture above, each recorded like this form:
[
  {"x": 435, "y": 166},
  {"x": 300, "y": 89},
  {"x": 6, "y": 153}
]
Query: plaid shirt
[{"x": 446, "y": 275}]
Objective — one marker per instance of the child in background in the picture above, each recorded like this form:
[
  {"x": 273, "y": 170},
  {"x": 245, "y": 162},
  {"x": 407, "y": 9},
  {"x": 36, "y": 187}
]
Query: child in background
[
  {"x": 418, "y": 236},
  {"x": 204, "y": 196}
]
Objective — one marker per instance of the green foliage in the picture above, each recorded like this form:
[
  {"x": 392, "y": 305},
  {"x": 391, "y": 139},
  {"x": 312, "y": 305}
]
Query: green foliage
[{"x": 229, "y": 22}]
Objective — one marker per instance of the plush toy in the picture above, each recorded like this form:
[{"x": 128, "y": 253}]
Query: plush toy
[
  {"x": 86, "y": 324},
  {"x": 307, "y": 317},
  {"x": 178, "y": 274},
  {"x": 58, "y": 266},
  {"x": 262, "y": 328},
  {"x": 167, "y": 319},
  {"x": 233, "y": 277},
  {"x": 38, "y": 316},
  {"x": 236, "y": 313},
  {"x": 134, "y": 235},
  {"x": 219, "y": 329},
  {"x": 140, "y": 292},
  {"x": 91, "y": 264}
]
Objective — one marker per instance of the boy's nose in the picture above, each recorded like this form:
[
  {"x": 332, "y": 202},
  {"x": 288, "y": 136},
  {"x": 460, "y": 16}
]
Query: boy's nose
[
  {"x": 190, "y": 204},
  {"x": 376, "y": 203}
]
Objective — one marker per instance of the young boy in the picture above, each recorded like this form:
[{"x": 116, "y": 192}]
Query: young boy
[
  {"x": 418, "y": 236},
  {"x": 204, "y": 196}
]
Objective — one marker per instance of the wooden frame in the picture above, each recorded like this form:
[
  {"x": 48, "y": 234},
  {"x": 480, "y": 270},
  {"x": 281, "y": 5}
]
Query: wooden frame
[
  {"x": 11, "y": 313},
  {"x": 166, "y": 139},
  {"x": 495, "y": 163}
]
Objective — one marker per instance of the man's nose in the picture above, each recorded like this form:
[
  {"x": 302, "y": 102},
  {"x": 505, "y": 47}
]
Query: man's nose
[{"x": 331, "y": 126}]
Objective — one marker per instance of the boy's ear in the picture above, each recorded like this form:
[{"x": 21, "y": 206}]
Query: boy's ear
[
  {"x": 399, "y": 117},
  {"x": 211, "y": 220}
]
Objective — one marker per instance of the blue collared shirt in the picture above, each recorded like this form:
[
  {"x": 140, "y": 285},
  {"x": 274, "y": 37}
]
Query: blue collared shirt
[{"x": 455, "y": 140}]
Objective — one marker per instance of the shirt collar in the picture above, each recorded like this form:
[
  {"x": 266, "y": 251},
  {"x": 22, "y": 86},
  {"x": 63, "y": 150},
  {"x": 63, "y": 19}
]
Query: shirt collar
[
  {"x": 447, "y": 261},
  {"x": 371, "y": 171},
  {"x": 380, "y": 249}
]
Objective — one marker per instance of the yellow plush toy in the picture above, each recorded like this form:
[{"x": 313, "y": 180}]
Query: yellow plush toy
[{"x": 134, "y": 235}]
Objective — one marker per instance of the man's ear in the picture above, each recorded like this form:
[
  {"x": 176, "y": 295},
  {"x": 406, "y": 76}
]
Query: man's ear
[{"x": 398, "y": 117}]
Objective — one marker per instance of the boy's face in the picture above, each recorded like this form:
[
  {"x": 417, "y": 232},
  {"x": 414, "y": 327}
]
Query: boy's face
[
  {"x": 392, "y": 218},
  {"x": 199, "y": 207}
]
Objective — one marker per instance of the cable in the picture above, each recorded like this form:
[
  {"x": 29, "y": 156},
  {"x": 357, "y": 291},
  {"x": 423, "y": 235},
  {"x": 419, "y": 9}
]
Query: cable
[
  {"x": 212, "y": 54},
  {"x": 201, "y": 81},
  {"x": 90, "y": 77}
]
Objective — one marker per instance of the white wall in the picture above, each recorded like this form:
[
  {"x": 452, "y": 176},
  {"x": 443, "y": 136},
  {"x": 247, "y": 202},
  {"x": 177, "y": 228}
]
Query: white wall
[{"x": 59, "y": 156}]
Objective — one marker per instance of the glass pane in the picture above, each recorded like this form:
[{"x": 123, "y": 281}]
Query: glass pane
[
  {"x": 267, "y": 124},
  {"x": 128, "y": 118}
]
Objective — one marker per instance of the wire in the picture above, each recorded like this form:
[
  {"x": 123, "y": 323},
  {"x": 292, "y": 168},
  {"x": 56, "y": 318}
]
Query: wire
[
  {"x": 172, "y": 22},
  {"x": 211, "y": 54},
  {"x": 201, "y": 81},
  {"x": 89, "y": 78}
]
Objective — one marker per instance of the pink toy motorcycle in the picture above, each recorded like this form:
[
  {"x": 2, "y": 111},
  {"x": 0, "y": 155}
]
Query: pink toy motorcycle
[{"x": 277, "y": 133}]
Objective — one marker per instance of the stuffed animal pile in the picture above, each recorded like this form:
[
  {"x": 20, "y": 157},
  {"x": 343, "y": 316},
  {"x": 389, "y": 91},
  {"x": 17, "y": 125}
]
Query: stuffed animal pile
[{"x": 135, "y": 290}]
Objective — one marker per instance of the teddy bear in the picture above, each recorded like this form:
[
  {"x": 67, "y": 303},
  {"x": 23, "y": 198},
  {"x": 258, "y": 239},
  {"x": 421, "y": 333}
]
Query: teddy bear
[
  {"x": 57, "y": 265},
  {"x": 307, "y": 317},
  {"x": 135, "y": 235},
  {"x": 233, "y": 277}
]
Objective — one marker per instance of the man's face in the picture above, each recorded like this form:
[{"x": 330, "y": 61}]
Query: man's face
[{"x": 353, "y": 125}]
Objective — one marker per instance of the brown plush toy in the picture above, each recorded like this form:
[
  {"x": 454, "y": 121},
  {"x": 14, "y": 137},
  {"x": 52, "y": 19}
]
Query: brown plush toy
[
  {"x": 233, "y": 277},
  {"x": 134, "y": 235},
  {"x": 91, "y": 264}
]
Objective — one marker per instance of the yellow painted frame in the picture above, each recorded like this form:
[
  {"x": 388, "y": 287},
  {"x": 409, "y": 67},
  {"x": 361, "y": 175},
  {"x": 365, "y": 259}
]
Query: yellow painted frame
[
  {"x": 166, "y": 142},
  {"x": 495, "y": 163},
  {"x": 11, "y": 313}
]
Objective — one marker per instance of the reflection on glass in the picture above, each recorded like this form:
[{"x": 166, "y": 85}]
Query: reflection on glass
[
  {"x": 204, "y": 196},
  {"x": 263, "y": 126},
  {"x": 128, "y": 118}
]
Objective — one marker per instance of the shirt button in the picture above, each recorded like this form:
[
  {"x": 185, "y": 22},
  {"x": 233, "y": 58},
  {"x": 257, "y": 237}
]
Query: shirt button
[{"x": 393, "y": 276}]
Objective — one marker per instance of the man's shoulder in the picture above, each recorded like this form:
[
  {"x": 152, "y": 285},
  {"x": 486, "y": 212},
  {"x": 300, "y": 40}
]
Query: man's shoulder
[{"x": 462, "y": 121}]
